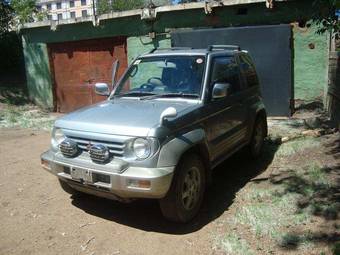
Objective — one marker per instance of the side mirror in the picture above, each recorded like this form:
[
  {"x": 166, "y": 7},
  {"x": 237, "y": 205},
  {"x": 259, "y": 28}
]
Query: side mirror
[
  {"x": 221, "y": 90},
  {"x": 169, "y": 112},
  {"x": 102, "y": 89}
]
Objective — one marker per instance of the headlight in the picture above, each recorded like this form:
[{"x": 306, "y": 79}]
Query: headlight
[
  {"x": 57, "y": 137},
  {"x": 142, "y": 148}
]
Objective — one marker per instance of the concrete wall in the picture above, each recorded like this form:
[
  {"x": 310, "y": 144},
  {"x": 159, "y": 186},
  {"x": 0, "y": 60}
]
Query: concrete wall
[
  {"x": 309, "y": 73},
  {"x": 310, "y": 64}
]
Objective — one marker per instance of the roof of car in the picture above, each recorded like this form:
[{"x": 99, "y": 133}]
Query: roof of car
[{"x": 186, "y": 51}]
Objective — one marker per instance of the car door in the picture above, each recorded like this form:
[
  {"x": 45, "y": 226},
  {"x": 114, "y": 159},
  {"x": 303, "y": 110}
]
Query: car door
[
  {"x": 226, "y": 122},
  {"x": 251, "y": 89}
]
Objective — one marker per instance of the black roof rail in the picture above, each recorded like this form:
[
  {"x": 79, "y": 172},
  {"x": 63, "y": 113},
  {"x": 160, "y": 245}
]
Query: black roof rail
[
  {"x": 224, "y": 47},
  {"x": 170, "y": 49}
]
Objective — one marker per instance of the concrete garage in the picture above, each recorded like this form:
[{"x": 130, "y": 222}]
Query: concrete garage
[{"x": 64, "y": 60}]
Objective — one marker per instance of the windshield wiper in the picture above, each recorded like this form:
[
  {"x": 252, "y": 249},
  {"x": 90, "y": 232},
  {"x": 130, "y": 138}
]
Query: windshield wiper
[
  {"x": 180, "y": 94},
  {"x": 135, "y": 93}
]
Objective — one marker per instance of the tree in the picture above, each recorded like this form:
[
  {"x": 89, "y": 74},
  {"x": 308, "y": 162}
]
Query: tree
[
  {"x": 161, "y": 2},
  {"x": 106, "y": 6},
  {"x": 103, "y": 6},
  {"x": 325, "y": 17},
  {"x": 123, "y": 5},
  {"x": 6, "y": 17},
  {"x": 26, "y": 10},
  {"x": 188, "y": 1}
]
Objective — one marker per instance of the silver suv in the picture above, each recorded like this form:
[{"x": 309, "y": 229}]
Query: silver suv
[{"x": 171, "y": 119}]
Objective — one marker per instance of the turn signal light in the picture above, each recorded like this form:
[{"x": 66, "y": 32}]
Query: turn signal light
[
  {"x": 45, "y": 164},
  {"x": 139, "y": 184}
]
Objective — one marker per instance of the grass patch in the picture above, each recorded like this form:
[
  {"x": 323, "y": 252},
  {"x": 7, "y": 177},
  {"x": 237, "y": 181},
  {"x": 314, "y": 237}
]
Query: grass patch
[
  {"x": 314, "y": 193},
  {"x": 292, "y": 241},
  {"x": 298, "y": 191},
  {"x": 316, "y": 175},
  {"x": 336, "y": 248},
  {"x": 268, "y": 213},
  {"x": 26, "y": 116},
  {"x": 233, "y": 244},
  {"x": 259, "y": 195},
  {"x": 13, "y": 95},
  {"x": 297, "y": 146}
]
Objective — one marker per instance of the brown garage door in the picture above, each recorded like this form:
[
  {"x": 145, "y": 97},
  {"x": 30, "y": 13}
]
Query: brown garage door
[{"x": 77, "y": 66}]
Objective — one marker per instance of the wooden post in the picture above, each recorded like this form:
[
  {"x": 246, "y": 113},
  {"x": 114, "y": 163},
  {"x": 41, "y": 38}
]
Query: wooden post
[{"x": 333, "y": 102}]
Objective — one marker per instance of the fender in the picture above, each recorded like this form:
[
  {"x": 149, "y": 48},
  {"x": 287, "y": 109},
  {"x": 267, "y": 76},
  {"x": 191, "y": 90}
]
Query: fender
[{"x": 171, "y": 152}]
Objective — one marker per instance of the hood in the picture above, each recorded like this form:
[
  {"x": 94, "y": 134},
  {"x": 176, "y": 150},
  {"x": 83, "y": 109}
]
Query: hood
[{"x": 130, "y": 117}]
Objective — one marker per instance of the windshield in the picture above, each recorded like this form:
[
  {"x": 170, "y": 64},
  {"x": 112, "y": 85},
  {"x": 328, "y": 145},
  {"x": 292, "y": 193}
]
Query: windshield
[{"x": 163, "y": 76}]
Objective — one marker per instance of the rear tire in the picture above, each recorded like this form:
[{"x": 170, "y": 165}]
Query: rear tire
[
  {"x": 185, "y": 196},
  {"x": 67, "y": 188},
  {"x": 258, "y": 136}
]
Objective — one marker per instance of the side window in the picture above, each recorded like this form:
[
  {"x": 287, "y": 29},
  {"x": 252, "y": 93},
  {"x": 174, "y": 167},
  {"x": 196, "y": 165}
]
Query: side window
[
  {"x": 248, "y": 70},
  {"x": 225, "y": 70}
]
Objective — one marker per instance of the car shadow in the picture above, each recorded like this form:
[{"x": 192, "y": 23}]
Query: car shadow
[{"x": 228, "y": 178}]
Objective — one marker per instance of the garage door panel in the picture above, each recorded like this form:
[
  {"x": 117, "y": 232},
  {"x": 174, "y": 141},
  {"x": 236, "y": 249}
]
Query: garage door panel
[
  {"x": 71, "y": 73},
  {"x": 79, "y": 65}
]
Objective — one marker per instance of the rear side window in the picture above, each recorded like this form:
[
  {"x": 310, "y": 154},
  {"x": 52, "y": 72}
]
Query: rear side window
[
  {"x": 248, "y": 70},
  {"x": 225, "y": 70}
]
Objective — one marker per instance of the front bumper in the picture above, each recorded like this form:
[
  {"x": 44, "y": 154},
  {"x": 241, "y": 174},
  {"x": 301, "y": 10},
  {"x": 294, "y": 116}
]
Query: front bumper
[{"x": 133, "y": 182}]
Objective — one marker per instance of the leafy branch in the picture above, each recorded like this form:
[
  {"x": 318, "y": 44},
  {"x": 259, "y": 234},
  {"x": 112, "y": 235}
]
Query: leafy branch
[{"x": 325, "y": 18}]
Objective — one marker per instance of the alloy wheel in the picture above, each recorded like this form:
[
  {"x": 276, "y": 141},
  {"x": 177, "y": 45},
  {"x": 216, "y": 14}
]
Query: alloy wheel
[{"x": 191, "y": 188}]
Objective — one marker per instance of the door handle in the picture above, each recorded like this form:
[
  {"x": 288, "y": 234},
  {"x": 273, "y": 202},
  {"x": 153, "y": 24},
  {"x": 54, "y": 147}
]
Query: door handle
[{"x": 89, "y": 80}]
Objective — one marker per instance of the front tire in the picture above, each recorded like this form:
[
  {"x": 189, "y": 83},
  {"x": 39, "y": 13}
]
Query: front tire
[
  {"x": 186, "y": 193},
  {"x": 258, "y": 136}
]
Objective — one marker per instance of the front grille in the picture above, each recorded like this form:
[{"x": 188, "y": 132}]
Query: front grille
[{"x": 115, "y": 148}]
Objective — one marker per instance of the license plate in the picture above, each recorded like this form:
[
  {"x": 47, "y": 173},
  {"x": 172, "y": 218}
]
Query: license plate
[{"x": 81, "y": 175}]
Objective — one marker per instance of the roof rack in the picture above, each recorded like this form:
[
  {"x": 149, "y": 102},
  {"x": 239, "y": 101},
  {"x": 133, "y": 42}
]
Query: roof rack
[
  {"x": 170, "y": 49},
  {"x": 224, "y": 47}
]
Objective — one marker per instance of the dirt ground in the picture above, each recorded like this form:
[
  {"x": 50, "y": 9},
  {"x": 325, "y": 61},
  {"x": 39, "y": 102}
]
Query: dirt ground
[{"x": 37, "y": 217}]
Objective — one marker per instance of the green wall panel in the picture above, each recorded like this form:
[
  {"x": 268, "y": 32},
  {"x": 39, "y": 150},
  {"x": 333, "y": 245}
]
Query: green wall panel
[
  {"x": 310, "y": 64},
  {"x": 38, "y": 74}
]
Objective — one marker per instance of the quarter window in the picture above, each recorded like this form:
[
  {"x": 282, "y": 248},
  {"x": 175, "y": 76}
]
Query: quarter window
[
  {"x": 248, "y": 70},
  {"x": 225, "y": 70}
]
